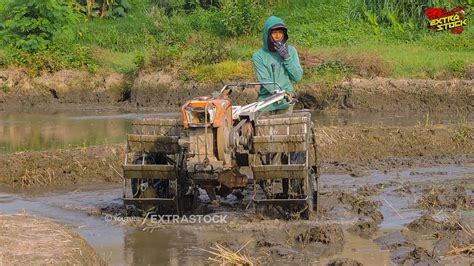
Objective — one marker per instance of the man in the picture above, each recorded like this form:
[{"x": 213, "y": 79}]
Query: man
[
  {"x": 283, "y": 58},
  {"x": 277, "y": 54}
]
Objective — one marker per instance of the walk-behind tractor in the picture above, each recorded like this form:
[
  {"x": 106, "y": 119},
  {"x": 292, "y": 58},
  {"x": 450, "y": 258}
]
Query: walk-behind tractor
[{"x": 212, "y": 145}]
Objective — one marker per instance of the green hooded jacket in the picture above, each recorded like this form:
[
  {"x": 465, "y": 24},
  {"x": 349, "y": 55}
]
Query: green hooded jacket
[{"x": 285, "y": 70}]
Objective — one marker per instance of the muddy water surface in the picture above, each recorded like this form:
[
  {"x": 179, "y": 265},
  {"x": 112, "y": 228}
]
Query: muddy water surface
[{"x": 70, "y": 129}]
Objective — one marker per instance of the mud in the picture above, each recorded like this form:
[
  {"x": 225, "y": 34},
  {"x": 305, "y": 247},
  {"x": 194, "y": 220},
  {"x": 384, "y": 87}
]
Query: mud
[
  {"x": 404, "y": 251},
  {"x": 346, "y": 202},
  {"x": 413, "y": 256},
  {"x": 63, "y": 88},
  {"x": 375, "y": 179},
  {"x": 365, "y": 144},
  {"x": 347, "y": 149},
  {"x": 344, "y": 262},
  {"x": 331, "y": 235},
  {"x": 450, "y": 230},
  {"x": 21, "y": 90},
  {"x": 437, "y": 197},
  {"x": 434, "y": 224},
  {"x": 27, "y": 240},
  {"x": 62, "y": 167}
]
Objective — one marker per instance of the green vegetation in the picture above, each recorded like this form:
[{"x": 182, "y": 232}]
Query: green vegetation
[{"x": 213, "y": 40}]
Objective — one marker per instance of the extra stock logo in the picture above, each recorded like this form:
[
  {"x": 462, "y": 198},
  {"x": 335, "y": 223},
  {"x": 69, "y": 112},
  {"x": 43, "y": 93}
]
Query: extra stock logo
[{"x": 441, "y": 20}]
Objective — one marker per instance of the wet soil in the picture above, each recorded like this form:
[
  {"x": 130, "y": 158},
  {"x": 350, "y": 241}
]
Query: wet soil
[
  {"x": 389, "y": 194},
  {"x": 395, "y": 236},
  {"x": 357, "y": 150},
  {"x": 29, "y": 240},
  {"x": 62, "y": 167},
  {"x": 385, "y": 95}
]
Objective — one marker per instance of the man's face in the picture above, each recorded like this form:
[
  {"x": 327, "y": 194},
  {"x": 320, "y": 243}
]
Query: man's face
[{"x": 277, "y": 35}]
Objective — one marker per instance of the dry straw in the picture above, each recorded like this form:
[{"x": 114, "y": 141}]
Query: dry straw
[{"x": 225, "y": 256}]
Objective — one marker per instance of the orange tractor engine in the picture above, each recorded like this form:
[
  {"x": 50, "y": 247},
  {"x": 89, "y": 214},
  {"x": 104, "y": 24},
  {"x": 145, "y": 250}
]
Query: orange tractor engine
[{"x": 207, "y": 122}]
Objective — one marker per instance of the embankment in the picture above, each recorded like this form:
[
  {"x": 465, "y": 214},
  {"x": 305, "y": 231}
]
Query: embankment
[{"x": 162, "y": 91}]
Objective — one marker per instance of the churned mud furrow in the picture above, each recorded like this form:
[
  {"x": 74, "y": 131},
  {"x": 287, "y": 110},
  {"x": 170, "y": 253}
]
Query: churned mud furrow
[
  {"x": 61, "y": 167},
  {"x": 67, "y": 87},
  {"x": 362, "y": 144}
]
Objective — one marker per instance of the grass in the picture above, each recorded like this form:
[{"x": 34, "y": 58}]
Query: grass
[
  {"x": 3, "y": 56},
  {"x": 194, "y": 43},
  {"x": 224, "y": 71},
  {"x": 409, "y": 60},
  {"x": 122, "y": 62}
]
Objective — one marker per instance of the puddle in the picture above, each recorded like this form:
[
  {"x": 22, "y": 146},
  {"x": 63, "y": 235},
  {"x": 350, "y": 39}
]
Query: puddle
[
  {"x": 33, "y": 132},
  {"x": 362, "y": 250},
  {"x": 398, "y": 209},
  {"x": 118, "y": 245}
]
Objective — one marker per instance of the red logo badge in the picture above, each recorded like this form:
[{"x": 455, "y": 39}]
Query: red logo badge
[{"x": 441, "y": 20}]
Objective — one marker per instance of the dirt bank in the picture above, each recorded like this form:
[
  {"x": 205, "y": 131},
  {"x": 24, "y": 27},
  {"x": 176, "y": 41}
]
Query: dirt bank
[
  {"x": 348, "y": 149},
  {"x": 27, "y": 240},
  {"x": 19, "y": 89},
  {"x": 162, "y": 91}
]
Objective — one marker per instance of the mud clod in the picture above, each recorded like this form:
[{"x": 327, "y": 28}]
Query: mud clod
[
  {"x": 326, "y": 234},
  {"x": 368, "y": 191},
  {"x": 438, "y": 197},
  {"x": 364, "y": 228},
  {"x": 431, "y": 224},
  {"x": 459, "y": 239},
  {"x": 393, "y": 241},
  {"x": 344, "y": 262},
  {"x": 362, "y": 206},
  {"x": 413, "y": 256}
]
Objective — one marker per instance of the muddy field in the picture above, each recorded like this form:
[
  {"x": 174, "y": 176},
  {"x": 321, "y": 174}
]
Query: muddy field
[
  {"x": 405, "y": 215},
  {"x": 348, "y": 149},
  {"x": 390, "y": 194}
]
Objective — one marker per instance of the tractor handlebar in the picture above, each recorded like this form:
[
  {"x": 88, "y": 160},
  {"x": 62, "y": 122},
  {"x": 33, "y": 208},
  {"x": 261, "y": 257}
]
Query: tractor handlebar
[{"x": 244, "y": 85}]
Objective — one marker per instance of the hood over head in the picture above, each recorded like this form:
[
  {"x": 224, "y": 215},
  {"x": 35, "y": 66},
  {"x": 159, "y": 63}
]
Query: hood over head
[{"x": 272, "y": 23}]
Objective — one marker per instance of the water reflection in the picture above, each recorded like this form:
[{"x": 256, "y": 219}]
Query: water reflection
[
  {"x": 33, "y": 131},
  {"x": 39, "y": 132}
]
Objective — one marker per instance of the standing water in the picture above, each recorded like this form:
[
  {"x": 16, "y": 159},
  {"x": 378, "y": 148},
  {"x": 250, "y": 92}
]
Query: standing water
[{"x": 34, "y": 132}]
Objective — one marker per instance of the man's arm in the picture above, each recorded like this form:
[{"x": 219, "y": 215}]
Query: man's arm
[
  {"x": 293, "y": 66},
  {"x": 262, "y": 72}
]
